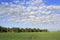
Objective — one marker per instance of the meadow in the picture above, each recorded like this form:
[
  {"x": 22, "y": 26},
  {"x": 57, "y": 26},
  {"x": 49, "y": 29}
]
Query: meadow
[{"x": 30, "y": 36}]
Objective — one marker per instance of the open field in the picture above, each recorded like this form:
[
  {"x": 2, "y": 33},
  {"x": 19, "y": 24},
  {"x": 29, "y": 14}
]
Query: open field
[{"x": 30, "y": 36}]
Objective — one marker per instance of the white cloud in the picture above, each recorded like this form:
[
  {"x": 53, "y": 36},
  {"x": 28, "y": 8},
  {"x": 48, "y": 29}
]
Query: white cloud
[
  {"x": 57, "y": 8},
  {"x": 5, "y": 3},
  {"x": 36, "y": 12},
  {"x": 2, "y": 10},
  {"x": 16, "y": 1}
]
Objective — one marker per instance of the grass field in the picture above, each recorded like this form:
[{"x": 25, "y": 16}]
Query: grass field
[{"x": 30, "y": 36}]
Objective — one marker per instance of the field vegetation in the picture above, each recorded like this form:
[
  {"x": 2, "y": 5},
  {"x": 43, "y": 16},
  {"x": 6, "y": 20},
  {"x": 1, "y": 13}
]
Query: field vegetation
[
  {"x": 27, "y": 34},
  {"x": 30, "y": 36}
]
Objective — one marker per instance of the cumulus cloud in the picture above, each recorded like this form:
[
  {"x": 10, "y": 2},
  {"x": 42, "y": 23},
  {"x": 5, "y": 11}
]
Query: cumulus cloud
[
  {"x": 57, "y": 8},
  {"x": 33, "y": 11}
]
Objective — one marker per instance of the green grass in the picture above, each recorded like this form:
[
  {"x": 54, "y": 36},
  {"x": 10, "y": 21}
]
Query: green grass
[{"x": 30, "y": 36}]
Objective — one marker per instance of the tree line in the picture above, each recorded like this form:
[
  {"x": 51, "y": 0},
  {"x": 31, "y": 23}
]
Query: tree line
[{"x": 14, "y": 29}]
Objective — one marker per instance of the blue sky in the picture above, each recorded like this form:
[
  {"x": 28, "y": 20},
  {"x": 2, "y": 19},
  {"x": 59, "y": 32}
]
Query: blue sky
[
  {"x": 44, "y": 14},
  {"x": 47, "y": 2},
  {"x": 52, "y": 2}
]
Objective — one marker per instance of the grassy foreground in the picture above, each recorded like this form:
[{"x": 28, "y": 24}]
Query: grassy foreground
[{"x": 30, "y": 36}]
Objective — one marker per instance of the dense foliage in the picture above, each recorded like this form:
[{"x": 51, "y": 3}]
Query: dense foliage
[{"x": 14, "y": 29}]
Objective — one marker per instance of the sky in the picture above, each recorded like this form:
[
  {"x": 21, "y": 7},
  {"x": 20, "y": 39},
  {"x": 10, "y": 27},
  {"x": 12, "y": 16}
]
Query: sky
[{"x": 43, "y": 14}]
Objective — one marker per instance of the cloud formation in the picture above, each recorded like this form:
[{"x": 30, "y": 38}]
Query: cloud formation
[{"x": 34, "y": 11}]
